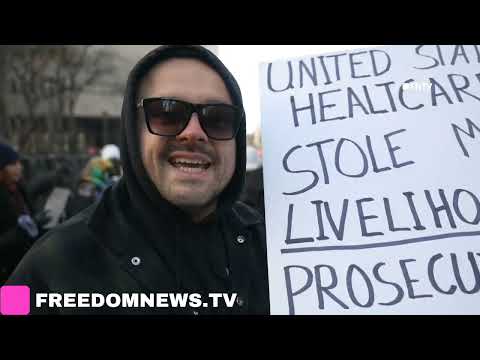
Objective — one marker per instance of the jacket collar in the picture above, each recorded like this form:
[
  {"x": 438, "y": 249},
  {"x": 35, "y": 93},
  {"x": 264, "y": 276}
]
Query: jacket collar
[{"x": 246, "y": 215}]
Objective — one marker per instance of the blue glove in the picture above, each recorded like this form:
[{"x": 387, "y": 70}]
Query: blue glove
[{"x": 26, "y": 223}]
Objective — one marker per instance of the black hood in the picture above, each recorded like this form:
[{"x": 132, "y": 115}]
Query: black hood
[{"x": 142, "y": 193}]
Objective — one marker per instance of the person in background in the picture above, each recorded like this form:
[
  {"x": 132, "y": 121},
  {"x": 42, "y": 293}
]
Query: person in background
[
  {"x": 19, "y": 226},
  {"x": 253, "y": 191},
  {"x": 111, "y": 153},
  {"x": 99, "y": 173}
]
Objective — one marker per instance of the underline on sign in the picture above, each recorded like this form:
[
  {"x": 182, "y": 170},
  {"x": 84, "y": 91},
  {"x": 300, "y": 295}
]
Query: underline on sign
[{"x": 380, "y": 245}]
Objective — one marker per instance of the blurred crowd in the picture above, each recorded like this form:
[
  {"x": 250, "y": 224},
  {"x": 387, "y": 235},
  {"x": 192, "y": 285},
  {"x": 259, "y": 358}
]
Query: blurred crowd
[{"x": 39, "y": 193}]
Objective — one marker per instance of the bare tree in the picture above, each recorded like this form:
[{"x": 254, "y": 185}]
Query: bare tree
[
  {"x": 79, "y": 68},
  {"x": 28, "y": 66},
  {"x": 50, "y": 80},
  {"x": 4, "y": 123}
]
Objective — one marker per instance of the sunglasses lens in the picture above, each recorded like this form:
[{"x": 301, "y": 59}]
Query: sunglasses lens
[
  {"x": 220, "y": 121},
  {"x": 166, "y": 117}
]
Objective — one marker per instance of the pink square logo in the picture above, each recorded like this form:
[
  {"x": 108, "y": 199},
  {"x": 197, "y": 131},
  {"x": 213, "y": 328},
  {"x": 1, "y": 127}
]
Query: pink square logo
[{"x": 15, "y": 300}]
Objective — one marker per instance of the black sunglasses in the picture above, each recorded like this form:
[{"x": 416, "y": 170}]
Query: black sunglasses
[{"x": 169, "y": 117}]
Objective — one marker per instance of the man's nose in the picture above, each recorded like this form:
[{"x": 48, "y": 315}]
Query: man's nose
[{"x": 193, "y": 131}]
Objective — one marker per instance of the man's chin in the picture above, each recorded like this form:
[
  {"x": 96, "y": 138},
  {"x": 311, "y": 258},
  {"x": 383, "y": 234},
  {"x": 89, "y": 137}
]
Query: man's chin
[
  {"x": 195, "y": 208},
  {"x": 190, "y": 202}
]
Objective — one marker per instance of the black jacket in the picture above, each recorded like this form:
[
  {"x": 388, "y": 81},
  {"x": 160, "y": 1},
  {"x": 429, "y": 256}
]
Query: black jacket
[
  {"x": 253, "y": 194},
  {"x": 93, "y": 252},
  {"x": 14, "y": 242},
  {"x": 134, "y": 241}
]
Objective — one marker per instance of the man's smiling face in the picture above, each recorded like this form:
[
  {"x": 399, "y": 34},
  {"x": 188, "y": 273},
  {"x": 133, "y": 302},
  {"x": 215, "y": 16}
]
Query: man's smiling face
[{"x": 189, "y": 170}]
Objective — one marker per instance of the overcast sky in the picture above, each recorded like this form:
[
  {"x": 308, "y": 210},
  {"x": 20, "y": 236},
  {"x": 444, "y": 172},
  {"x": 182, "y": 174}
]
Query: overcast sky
[{"x": 243, "y": 61}]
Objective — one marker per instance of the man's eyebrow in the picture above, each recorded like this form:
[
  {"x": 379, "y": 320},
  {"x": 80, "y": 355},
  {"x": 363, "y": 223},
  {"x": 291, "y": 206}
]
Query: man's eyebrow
[{"x": 212, "y": 101}]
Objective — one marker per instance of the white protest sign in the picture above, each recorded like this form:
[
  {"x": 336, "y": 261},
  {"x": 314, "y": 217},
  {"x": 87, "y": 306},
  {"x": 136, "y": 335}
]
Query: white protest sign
[
  {"x": 372, "y": 186},
  {"x": 55, "y": 205}
]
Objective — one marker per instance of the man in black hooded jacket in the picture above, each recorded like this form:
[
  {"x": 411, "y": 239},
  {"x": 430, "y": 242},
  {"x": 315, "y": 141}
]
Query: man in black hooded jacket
[{"x": 173, "y": 223}]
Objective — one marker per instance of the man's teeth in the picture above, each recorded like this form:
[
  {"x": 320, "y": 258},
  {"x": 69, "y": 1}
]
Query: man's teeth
[{"x": 190, "y": 165}]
